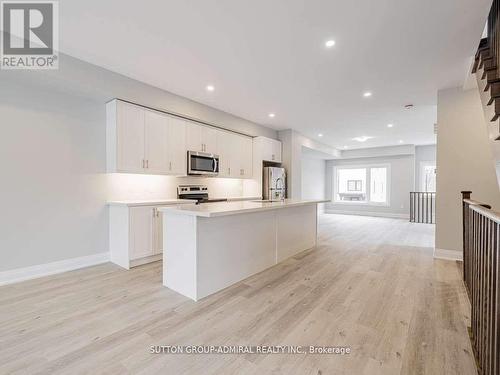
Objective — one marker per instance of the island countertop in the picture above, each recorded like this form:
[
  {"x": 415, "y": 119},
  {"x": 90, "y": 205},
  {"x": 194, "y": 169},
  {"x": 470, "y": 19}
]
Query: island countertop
[
  {"x": 168, "y": 202},
  {"x": 232, "y": 208}
]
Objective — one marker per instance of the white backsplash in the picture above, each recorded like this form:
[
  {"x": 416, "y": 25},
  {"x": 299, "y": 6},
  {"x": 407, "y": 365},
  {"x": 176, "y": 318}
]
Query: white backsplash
[{"x": 122, "y": 186}]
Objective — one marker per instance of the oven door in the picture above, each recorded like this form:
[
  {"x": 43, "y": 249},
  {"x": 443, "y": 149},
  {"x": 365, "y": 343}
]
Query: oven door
[{"x": 201, "y": 163}]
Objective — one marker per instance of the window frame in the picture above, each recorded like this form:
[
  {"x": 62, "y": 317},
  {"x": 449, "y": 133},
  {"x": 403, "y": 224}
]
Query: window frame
[{"x": 367, "y": 168}]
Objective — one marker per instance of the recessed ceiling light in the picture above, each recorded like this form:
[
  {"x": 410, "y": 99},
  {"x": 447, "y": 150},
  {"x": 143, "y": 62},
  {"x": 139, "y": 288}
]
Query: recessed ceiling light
[
  {"x": 363, "y": 138},
  {"x": 390, "y": 125},
  {"x": 320, "y": 135},
  {"x": 367, "y": 94},
  {"x": 401, "y": 141},
  {"x": 330, "y": 43},
  {"x": 210, "y": 88},
  {"x": 346, "y": 147},
  {"x": 272, "y": 115}
]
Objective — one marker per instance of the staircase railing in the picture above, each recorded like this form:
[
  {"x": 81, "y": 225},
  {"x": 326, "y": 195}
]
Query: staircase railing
[
  {"x": 422, "y": 207},
  {"x": 487, "y": 62},
  {"x": 481, "y": 273}
]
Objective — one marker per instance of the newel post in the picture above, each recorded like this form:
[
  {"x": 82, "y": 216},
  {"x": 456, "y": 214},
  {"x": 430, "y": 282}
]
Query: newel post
[{"x": 466, "y": 194}]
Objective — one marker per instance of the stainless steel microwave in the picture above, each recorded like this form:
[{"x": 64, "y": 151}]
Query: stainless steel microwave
[{"x": 202, "y": 163}]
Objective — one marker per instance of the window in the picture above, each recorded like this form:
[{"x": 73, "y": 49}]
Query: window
[
  {"x": 351, "y": 184},
  {"x": 367, "y": 184},
  {"x": 428, "y": 176},
  {"x": 354, "y": 185},
  {"x": 378, "y": 185}
]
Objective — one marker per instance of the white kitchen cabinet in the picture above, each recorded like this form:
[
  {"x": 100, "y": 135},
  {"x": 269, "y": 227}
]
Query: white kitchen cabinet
[
  {"x": 209, "y": 139},
  {"x": 268, "y": 149},
  {"x": 165, "y": 144},
  {"x": 142, "y": 228},
  {"x": 158, "y": 233},
  {"x": 243, "y": 156},
  {"x": 129, "y": 138},
  {"x": 177, "y": 151},
  {"x": 139, "y": 140},
  {"x": 235, "y": 155},
  {"x": 201, "y": 138},
  {"x": 248, "y": 158},
  {"x": 136, "y": 233},
  {"x": 156, "y": 143},
  {"x": 225, "y": 151},
  {"x": 193, "y": 137}
]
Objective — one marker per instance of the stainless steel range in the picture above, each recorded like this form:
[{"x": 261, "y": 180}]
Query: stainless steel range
[{"x": 196, "y": 192}]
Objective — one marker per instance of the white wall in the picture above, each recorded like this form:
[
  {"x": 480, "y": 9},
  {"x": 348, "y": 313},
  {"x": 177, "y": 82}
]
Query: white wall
[
  {"x": 293, "y": 143},
  {"x": 402, "y": 182},
  {"x": 313, "y": 179},
  {"x": 78, "y": 78},
  {"x": 464, "y": 162},
  {"x": 54, "y": 186},
  {"x": 53, "y": 177}
]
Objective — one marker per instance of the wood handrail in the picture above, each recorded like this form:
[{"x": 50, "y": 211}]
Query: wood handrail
[
  {"x": 476, "y": 203},
  {"x": 486, "y": 211}
]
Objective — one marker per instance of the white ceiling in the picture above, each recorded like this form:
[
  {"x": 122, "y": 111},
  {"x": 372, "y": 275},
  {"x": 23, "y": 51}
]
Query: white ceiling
[{"x": 269, "y": 56}]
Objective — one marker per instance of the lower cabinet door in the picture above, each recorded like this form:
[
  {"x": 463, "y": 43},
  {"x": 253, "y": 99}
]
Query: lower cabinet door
[
  {"x": 158, "y": 235},
  {"x": 141, "y": 232}
]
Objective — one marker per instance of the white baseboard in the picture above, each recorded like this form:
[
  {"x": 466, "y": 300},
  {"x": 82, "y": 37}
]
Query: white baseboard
[
  {"x": 145, "y": 260},
  {"x": 33, "y": 272},
  {"x": 368, "y": 213},
  {"x": 448, "y": 254}
]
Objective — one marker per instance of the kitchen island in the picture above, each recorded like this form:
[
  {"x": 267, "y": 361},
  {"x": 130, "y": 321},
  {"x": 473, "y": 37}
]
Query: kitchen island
[{"x": 211, "y": 246}]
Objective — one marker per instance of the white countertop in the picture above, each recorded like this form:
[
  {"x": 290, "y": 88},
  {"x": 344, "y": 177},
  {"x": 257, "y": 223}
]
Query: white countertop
[
  {"x": 150, "y": 202},
  {"x": 168, "y": 202},
  {"x": 235, "y": 207},
  {"x": 235, "y": 199}
]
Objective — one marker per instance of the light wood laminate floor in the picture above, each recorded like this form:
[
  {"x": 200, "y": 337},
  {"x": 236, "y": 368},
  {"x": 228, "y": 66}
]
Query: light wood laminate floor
[{"x": 370, "y": 284}]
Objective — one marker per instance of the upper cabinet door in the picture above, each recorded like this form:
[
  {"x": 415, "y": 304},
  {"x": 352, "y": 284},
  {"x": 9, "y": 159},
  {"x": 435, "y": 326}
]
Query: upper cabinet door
[
  {"x": 157, "y": 161},
  {"x": 224, "y": 150},
  {"x": 177, "y": 148},
  {"x": 276, "y": 151},
  {"x": 130, "y": 138},
  {"x": 201, "y": 138},
  {"x": 246, "y": 157},
  {"x": 209, "y": 139},
  {"x": 193, "y": 137},
  {"x": 268, "y": 149},
  {"x": 242, "y": 156}
]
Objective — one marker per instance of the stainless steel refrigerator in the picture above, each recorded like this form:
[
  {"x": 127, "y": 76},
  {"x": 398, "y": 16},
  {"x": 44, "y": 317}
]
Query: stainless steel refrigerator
[{"x": 274, "y": 183}]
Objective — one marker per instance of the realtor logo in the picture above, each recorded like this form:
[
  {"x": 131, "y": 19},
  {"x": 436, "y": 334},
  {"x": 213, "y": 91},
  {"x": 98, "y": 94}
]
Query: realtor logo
[{"x": 30, "y": 37}]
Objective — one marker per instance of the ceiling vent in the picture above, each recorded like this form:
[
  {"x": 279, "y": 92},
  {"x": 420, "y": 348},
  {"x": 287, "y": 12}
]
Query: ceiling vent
[{"x": 435, "y": 128}]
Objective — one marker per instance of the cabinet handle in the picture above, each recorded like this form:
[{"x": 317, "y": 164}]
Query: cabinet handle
[
  {"x": 143, "y": 164},
  {"x": 147, "y": 164},
  {"x": 170, "y": 166},
  {"x": 273, "y": 156},
  {"x": 229, "y": 171}
]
